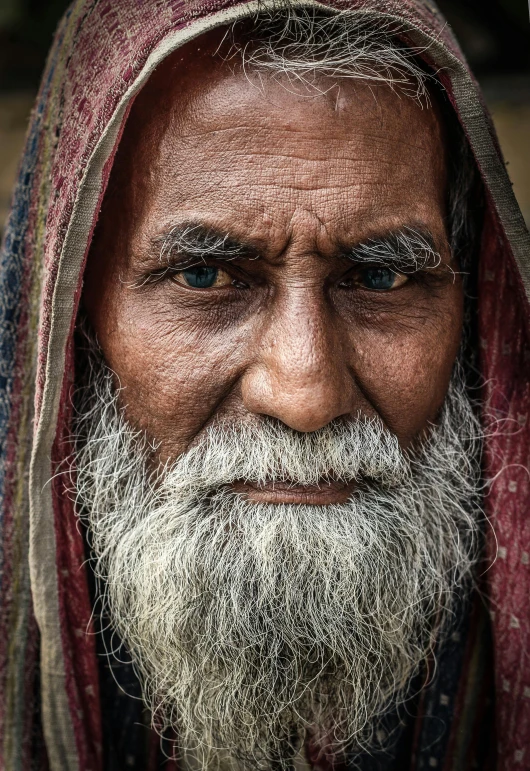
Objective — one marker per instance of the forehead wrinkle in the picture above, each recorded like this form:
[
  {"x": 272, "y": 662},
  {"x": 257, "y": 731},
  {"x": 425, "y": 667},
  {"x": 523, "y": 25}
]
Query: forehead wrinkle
[{"x": 319, "y": 151}]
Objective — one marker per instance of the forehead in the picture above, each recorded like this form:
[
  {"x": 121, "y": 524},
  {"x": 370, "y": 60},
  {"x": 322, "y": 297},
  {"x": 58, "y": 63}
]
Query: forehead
[{"x": 257, "y": 156}]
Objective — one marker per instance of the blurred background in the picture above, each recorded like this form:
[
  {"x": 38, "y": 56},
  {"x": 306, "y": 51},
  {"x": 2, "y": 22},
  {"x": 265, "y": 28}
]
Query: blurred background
[{"x": 495, "y": 35}]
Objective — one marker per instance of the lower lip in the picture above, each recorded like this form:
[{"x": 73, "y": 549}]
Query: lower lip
[{"x": 283, "y": 492}]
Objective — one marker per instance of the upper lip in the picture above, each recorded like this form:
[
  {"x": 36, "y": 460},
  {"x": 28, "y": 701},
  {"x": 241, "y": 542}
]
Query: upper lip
[
  {"x": 291, "y": 484},
  {"x": 324, "y": 491}
]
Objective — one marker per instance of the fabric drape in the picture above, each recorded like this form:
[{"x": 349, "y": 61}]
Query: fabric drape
[{"x": 104, "y": 51}]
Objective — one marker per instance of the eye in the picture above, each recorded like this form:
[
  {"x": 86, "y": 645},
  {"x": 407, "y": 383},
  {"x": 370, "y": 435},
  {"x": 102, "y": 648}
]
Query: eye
[
  {"x": 203, "y": 277},
  {"x": 379, "y": 279}
]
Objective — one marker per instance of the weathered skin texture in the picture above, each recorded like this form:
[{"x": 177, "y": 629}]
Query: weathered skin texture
[{"x": 298, "y": 179}]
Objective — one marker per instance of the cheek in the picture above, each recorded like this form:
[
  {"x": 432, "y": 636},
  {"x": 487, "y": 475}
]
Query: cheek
[
  {"x": 405, "y": 373},
  {"x": 175, "y": 372}
]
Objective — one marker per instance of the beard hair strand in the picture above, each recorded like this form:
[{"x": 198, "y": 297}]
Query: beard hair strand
[{"x": 251, "y": 623}]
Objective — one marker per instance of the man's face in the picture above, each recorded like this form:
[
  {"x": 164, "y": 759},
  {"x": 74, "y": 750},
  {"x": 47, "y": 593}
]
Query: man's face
[{"x": 272, "y": 193}]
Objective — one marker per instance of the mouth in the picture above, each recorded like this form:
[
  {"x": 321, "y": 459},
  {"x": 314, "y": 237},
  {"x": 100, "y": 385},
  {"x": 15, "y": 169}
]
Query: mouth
[{"x": 324, "y": 493}]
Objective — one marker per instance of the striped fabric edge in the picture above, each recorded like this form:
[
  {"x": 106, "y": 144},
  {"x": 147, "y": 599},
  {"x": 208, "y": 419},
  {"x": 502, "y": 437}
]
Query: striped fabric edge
[{"x": 18, "y": 630}]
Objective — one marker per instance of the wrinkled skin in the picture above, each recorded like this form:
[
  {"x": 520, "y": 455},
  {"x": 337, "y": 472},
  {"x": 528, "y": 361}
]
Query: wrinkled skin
[{"x": 298, "y": 179}]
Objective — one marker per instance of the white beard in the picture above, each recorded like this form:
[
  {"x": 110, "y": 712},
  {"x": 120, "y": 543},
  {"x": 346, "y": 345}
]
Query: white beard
[{"x": 252, "y": 623}]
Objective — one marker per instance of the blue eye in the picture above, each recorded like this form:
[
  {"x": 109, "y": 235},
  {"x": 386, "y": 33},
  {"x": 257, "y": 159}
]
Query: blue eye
[
  {"x": 378, "y": 278},
  {"x": 200, "y": 277}
]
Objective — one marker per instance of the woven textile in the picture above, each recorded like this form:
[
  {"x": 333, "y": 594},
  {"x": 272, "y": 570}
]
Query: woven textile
[{"x": 103, "y": 53}]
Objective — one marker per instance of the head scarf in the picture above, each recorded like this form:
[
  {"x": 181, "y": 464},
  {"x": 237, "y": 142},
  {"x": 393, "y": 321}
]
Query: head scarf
[{"x": 104, "y": 51}]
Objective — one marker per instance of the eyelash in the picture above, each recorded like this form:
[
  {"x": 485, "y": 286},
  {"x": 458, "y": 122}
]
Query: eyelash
[
  {"x": 428, "y": 279},
  {"x": 158, "y": 276}
]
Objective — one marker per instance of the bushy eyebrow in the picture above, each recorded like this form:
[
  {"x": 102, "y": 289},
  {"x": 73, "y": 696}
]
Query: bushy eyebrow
[
  {"x": 192, "y": 243},
  {"x": 408, "y": 250}
]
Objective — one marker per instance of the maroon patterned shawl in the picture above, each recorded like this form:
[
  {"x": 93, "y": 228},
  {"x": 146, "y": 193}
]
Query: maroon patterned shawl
[{"x": 104, "y": 52}]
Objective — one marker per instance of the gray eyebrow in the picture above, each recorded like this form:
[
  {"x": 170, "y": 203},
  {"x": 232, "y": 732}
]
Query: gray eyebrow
[
  {"x": 197, "y": 242},
  {"x": 406, "y": 251}
]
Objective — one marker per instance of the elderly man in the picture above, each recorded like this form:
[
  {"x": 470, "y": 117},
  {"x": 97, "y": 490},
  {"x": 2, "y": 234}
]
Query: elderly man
[{"x": 255, "y": 501}]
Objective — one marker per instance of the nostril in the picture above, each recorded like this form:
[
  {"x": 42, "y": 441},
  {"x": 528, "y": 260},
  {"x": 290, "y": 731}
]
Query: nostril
[{"x": 301, "y": 404}]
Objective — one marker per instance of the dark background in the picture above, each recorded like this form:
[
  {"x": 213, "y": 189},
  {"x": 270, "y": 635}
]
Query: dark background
[{"x": 495, "y": 35}]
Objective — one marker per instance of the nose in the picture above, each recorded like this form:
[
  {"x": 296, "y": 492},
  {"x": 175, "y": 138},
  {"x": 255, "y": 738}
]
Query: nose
[{"x": 301, "y": 374}]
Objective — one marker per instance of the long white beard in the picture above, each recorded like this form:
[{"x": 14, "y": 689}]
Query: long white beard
[{"x": 252, "y": 623}]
